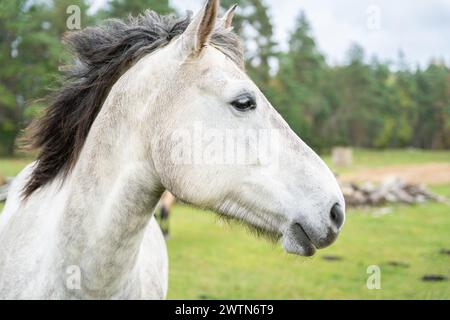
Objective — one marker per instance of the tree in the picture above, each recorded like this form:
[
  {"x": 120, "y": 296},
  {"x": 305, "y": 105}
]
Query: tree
[
  {"x": 404, "y": 105},
  {"x": 431, "y": 128},
  {"x": 123, "y": 8},
  {"x": 358, "y": 103},
  {"x": 30, "y": 51},
  {"x": 252, "y": 22},
  {"x": 27, "y": 53},
  {"x": 357, "y": 109},
  {"x": 301, "y": 80}
]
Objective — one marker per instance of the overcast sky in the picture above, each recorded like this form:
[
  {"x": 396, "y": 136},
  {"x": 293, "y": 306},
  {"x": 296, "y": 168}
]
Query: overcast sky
[{"x": 421, "y": 29}]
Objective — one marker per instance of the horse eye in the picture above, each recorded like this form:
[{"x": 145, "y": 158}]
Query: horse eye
[{"x": 244, "y": 103}]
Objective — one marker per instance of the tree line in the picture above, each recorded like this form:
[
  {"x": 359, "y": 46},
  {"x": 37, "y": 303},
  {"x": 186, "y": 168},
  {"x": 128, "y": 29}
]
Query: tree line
[{"x": 362, "y": 102}]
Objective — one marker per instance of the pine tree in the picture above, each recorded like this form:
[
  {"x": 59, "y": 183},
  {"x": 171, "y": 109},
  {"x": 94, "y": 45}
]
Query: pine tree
[
  {"x": 123, "y": 8},
  {"x": 30, "y": 52},
  {"x": 301, "y": 78},
  {"x": 252, "y": 22}
]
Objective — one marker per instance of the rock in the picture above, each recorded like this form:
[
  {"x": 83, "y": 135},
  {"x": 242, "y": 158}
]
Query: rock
[
  {"x": 368, "y": 187},
  {"x": 342, "y": 156},
  {"x": 392, "y": 190}
]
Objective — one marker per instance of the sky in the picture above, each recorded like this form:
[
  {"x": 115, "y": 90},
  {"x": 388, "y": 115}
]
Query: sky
[{"x": 419, "y": 28}]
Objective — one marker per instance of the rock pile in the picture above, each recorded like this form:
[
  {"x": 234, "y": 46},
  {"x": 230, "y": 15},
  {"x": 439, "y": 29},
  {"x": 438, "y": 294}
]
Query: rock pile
[{"x": 391, "y": 190}]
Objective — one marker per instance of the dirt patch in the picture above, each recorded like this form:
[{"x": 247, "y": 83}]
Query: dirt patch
[
  {"x": 429, "y": 173},
  {"x": 398, "y": 264},
  {"x": 434, "y": 277},
  {"x": 331, "y": 258}
]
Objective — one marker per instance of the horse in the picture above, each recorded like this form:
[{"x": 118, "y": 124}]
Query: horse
[
  {"x": 163, "y": 209},
  {"x": 124, "y": 126}
]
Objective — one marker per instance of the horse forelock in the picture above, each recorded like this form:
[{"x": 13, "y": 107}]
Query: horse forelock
[{"x": 101, "y": 55}]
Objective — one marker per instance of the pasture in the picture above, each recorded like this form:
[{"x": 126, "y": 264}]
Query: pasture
[{"x": 211, "y": 259}]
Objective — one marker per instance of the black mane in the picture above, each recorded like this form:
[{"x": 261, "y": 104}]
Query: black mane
[{"x": 101, "y": 55}]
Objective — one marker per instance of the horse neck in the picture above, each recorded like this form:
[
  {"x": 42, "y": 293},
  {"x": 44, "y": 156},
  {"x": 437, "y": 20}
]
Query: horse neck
[{"x": 112, "y": 192}]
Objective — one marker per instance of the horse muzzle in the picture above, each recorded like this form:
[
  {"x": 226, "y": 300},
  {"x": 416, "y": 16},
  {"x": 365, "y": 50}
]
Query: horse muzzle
[{"x": 302, "y": 239}]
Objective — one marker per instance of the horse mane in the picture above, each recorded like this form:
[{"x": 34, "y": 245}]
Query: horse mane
[{"x": 101, "y": 55}]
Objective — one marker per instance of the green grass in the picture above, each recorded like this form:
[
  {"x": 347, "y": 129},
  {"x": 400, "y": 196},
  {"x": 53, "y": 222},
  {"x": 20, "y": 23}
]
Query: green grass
[
  {"x": 230, "y": 263},
  {"x": 211, "y": 259},
  {"x": 10, "y": 167},
  {"x": 363, "y": 158},
  {"x": 366, "y": 158}
]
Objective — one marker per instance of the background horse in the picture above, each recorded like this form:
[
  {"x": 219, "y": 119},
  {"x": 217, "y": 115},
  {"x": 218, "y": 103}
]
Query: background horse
[
  {"x": 163, "y": 212},
  {"x": 78, "y": 221}
]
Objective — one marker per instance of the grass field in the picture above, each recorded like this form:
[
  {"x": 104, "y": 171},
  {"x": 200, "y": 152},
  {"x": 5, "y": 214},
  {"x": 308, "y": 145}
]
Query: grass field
[
  {"x": 11, "y": 167},
  {"x": 210, "y": 259},
  {"x": 363, "y": 158}
]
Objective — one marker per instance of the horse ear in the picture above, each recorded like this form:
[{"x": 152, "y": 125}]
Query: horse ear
[
  {"x": 227, "y": 19},
  {"x": 199, "y": 31}
]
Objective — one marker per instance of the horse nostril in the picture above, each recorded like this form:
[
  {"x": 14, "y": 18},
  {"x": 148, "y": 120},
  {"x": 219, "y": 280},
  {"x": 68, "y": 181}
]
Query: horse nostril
[{"x": 337, "y": 215}]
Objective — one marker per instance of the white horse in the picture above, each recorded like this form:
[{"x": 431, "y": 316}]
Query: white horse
[{"x": 79, "y": 221}]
